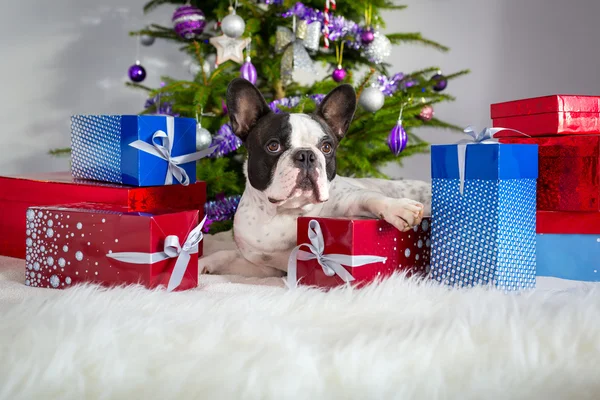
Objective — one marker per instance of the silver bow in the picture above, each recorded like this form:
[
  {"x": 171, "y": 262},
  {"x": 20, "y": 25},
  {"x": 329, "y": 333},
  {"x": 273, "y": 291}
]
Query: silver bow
[
  {"x": 332, "y": 264},
  {"x": 293, "y": 46},
  {"x": 171, "y": 249},
  {"x": 162, "y": 145},
  {"x": 486, "y": 136}
]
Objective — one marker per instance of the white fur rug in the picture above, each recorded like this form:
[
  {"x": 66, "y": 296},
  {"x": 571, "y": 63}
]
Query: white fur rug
[{"x": 229, "y": 340}]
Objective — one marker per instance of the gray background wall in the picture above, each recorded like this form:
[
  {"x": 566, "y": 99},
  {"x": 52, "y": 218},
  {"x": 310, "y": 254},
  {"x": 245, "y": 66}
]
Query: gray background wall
[{"x": 71, "y": 56}]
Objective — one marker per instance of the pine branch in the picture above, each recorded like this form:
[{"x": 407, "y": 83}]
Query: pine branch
[
  {"x": 64, "y": 152},
  {"x": 397, "y": 38}
]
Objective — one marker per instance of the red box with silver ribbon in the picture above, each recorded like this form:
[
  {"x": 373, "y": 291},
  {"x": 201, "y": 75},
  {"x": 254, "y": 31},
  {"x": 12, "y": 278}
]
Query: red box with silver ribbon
[
  {"x": 108, "y": 245},
  {"x": 335, "y": 251}
]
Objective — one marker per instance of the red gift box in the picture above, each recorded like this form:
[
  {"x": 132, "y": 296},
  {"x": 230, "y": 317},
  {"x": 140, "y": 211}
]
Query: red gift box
[
  {"x": 569, "y": 172},
  {"x": 564, "y": 222},
  {"x": 403, "y": 251},
  {"x": 18, "y": 193},
  {"x": 108, "y": 245},
  {"x": 549, "y": 115}
]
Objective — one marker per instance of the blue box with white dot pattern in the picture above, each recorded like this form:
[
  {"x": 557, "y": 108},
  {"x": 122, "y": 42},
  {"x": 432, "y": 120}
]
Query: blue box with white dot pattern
[
  {"x": 107, "y": 148},
  {"x": 486, "y": 234}
]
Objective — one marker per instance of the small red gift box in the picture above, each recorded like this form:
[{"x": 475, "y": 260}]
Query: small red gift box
[
  {"x": 108, "y": 245},
  {"x": 18, "y": 193},
  {"x": 569, "y": 172},
  {"x": 356, "y": 250},
  {"x": 549, "y": 115}
]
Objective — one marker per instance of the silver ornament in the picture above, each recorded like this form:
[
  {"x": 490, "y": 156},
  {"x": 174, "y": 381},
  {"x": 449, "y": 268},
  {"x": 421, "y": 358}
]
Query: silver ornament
[
  {"x": 233, "y": 26},
  {"x": 379, "y": 49},
  {"x": 147, "y": 40},
  {"x": 203, "y": 138},
  {"x": 371, "y": 99}
]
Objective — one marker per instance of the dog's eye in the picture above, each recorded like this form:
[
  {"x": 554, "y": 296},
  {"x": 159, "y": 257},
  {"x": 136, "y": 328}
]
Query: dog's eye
[
  {"x": 326, "y": 148},
  {"x": 274, "y": 146}
]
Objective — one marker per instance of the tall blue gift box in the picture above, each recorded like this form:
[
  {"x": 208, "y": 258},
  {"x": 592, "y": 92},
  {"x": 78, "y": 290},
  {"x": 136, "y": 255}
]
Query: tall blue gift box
[
  {"x": 137, "y": 150},
  {"x": 483, "y": 230}
]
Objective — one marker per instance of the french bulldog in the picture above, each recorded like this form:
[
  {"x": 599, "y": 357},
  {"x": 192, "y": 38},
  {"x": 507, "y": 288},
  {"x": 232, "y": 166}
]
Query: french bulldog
[{"x": 291, "y": 172}]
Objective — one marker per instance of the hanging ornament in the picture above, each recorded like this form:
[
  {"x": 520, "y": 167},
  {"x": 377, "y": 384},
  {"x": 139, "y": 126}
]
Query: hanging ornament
[
  {"x": 426, "y": 113},
  {"x": 339, "y": 74},
  {"x": 367, "y": 36},
  {"x": 379, "y": 49},
  {"x": 397, "y": 138},
  {"x": 137, "y": 73},
  {"x": 203, "y": 136},
  {"x": 188, "y": 21},
  {"x": 248, "y": 70},
  {"x": 233, "y": 25},
  {"x": 147, "y": 40},
  {"x": 229, "y": 48},
  {"x": 371, "y": 99},
  {"x": 294, "y": 48},
  {"x": 440, "y": 82}
]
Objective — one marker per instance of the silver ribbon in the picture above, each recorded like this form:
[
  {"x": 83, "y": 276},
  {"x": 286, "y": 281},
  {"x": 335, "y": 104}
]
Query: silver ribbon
[
  {"x": 161, "y": 147},
  {"x": 172, "y": 249},
  {"x": 486, "y": 136},
  {"x": 332, "y": 264},
  {"x": 294, "y": 45}
]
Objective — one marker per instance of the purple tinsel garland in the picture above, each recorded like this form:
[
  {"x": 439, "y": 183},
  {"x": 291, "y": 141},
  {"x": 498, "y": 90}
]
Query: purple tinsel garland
[
  {"x": 293, "y": 101},
  {"x": 163, "y": 108},
  {"x": 226, "y": 140},
  {"x": 221, "y": 209}
]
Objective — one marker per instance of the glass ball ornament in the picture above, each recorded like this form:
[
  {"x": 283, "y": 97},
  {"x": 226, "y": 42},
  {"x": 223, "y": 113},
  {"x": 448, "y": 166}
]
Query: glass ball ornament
[
  {"x": 147, "y": 40},
  {"x": 339, "y": 74},
  {"x": 188, "y": 21},
  {"x": 233, "y": 26},
  {"x": 440, "y": 82},
  {"x": 203, "y": 138},
  {"x": 379, "y": 49},
  {"x": 426, "y": 113},
  {"x": 371, "y": 99},
  {"x": 137, "y": 73},
  {"x": 367, "y": 36}
]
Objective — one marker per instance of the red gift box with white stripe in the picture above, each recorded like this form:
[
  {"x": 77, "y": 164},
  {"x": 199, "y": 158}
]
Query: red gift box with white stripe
[{"x": 111, "y": 246}]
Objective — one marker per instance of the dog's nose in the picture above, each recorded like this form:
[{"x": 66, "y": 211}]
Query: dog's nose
[{"x": 305, "y": 159}]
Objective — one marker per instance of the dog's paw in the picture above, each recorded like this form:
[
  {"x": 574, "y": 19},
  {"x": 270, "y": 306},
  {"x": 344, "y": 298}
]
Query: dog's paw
[{"x": 402, "y": 213}]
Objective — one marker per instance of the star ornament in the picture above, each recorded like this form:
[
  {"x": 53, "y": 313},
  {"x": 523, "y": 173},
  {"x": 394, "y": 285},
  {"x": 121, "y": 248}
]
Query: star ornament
[{"x": 229, "y": 48}]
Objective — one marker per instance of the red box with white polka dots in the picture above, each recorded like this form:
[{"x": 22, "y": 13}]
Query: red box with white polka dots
[
  {"x": 109, "y": 245},
  {"x": 404, "y": 251}
]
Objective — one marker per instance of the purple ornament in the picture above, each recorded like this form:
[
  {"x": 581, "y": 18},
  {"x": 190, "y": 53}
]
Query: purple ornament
[
  {"x": 188, "y": 21},
  {"x": 137, "y": 73},
  {"x": 397, "y": 139},
  {"x": 339, "y": 74},
  {"x": 367, "y": 36},
  {"x": 248, "y": 71},
  {"x": 440, "y": 82}
]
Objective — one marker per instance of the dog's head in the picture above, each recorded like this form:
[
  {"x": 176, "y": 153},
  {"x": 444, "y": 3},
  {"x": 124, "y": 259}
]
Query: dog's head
[{"x": 291, "y": 157}]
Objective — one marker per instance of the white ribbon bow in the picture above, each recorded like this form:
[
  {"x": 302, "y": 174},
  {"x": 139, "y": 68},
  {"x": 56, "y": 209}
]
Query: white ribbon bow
[
  {"x": 332, "y": 264},
  {"x": 161, "y": 147},
  {"x": 172, "y": 249},
  {"x": 486, "y": 136}
]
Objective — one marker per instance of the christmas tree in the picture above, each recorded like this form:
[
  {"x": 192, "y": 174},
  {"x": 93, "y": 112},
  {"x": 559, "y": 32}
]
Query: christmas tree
[{"x": 266, "y": 41}]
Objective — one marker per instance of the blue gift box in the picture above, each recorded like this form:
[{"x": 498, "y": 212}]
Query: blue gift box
[
  {"x": 134, "y": 149},
  {"x": 568, "y": 256},
  {"x": 486, "y": 234}
]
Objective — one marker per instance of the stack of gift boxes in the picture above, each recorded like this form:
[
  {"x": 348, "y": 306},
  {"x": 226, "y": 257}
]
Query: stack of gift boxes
[
  {"x": 130, "y": 212},
  {"x": 567, "y": 131}
]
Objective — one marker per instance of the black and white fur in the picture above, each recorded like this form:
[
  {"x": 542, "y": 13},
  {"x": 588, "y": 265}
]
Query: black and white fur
[{"x": 291, "y": 172}]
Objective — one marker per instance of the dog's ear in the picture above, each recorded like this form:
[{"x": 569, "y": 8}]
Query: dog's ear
[
  {"x": 246, "y": 106},
  {"x": 337, "y": 109}
]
